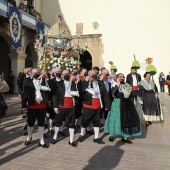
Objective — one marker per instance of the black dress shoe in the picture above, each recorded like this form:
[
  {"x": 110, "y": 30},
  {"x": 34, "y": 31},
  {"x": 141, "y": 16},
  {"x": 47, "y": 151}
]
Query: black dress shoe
[
  {"x": 62, "y": 133},
  {"x": 74, "y": 144},
  {"x": 44, "y": 145},
  {"x": 111, "y": 138},
  {"x": 27, "y": 142},
  {"x": 81, "y": 138},
  {"x": 99, "y": 141},
  {"x": 126, "y": 141},
  {"x": 90, "y": 132},
  {"x": 45, "y": 136},
  {"x": 24, "y": 116},
  {"x": 53, "y": 141}
]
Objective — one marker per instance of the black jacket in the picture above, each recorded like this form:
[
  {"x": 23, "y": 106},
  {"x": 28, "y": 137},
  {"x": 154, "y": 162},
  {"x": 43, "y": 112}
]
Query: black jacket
[
  {"x": 51, "y": 84},
  {"x": 129, "y": 78},
  {"x": 58, "y": 91},
  {"x": 168, "y": 77},
  {"x": 29, "y": 93},
  {"x": 87, "y": 97}
]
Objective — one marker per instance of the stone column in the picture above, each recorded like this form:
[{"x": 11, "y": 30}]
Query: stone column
[
  {"x": 17, "y": 64},
  {"x": 96, "y": 61},
  {"x": 38, "y": 6}
]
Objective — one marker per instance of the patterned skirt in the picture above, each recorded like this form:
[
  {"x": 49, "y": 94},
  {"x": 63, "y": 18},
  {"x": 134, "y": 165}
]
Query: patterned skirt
[{"x": 123, "y": 119}]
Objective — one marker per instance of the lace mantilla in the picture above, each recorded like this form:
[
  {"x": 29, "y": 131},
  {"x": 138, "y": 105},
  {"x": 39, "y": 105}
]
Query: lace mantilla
[
  {"x": 125, "y": 89},
  {"x": 148, "y": 85}
]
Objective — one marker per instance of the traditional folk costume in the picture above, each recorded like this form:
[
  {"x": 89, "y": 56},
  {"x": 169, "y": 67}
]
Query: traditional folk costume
[
  {"x": 50, "y": 111},
  {"x": 122, "y": 120},
  {"x": 35, "y": 93},
  {"x": 64, "y": 96},
  {"x": 151, "y": 105},
  {"x": 94, "y": 95},
  {"x": 133, "y": 80}
]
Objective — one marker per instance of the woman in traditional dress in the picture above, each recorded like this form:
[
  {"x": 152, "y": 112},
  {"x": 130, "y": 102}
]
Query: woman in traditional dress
[
  {"x": 148, "y": 93},
  {"x": 123, "y": 120}
]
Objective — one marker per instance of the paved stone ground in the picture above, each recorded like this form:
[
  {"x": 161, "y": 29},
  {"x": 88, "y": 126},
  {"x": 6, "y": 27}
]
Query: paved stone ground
[{"x": 151, "y": 151}]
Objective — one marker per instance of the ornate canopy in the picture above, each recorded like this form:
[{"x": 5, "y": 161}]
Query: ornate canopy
[{"x": 59, "y": 31}]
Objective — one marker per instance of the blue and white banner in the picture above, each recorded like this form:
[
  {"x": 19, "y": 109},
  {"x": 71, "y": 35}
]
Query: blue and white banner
[
  {"x": 40, "y": 31},
  {"x": 15, "y": 27}
]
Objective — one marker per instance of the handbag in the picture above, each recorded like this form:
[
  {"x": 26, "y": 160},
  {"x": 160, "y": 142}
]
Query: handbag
[{"x": 167, "y": 82}]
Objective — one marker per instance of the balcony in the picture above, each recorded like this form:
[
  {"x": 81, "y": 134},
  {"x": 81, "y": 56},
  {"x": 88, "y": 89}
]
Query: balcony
[
  {"x": 3, "y": 8},
  {"x": 27, "y": 19}
]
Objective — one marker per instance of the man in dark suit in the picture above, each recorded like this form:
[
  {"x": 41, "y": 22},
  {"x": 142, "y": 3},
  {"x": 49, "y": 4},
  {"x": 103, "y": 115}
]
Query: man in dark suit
[
  {"x": 168, "y": 78},
  {"x": 35, "y": 97},
  {"x": 133, "y": 79},
  {"x": 94, "y": 96}
]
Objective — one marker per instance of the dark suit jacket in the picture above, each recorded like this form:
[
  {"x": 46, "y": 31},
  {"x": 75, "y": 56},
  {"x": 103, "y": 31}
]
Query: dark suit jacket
[
  {"x": 59, "y": 93},
  {"x": 50, "y": 83},
  {"x": 87, "y": 97},
  {"x": 29, "y": 93},
  {"x": 168, "y": 77},
  {"x": 129, "y": 78}
]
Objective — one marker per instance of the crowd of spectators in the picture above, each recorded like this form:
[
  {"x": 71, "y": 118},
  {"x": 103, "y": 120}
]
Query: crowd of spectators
[{"x": 26, "y": 8}]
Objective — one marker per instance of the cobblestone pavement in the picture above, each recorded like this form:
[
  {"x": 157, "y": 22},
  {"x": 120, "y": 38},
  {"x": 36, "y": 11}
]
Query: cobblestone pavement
[{"x": 151, "y": 151}]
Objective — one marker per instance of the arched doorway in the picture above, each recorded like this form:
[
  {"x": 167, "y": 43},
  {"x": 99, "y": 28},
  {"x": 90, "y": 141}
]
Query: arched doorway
[
  {"x": 5, "y": 62},
  {"x": 86, "y": 60},
  {"x": 28, "y": 59}
]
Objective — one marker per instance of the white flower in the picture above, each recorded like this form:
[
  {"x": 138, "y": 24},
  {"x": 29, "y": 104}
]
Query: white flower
[
  {"x": 51, "y": 61},
  {"x": 72, "y": 62},
  {"x": 67, "y": 68},
  {"x": 74, "y": 66},
  {"x": 59, "y": 59},
  {"x": 66, "y": 64},
  {"x": 48, "y": 67},
  {"x": 55, "y": 64},
  {"x": 55, "y": 58}
]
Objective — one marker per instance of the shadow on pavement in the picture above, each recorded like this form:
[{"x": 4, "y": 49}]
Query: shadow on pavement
[
  {"x": 18, "y": 153},
  {"x": 107, "y": 158}
]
